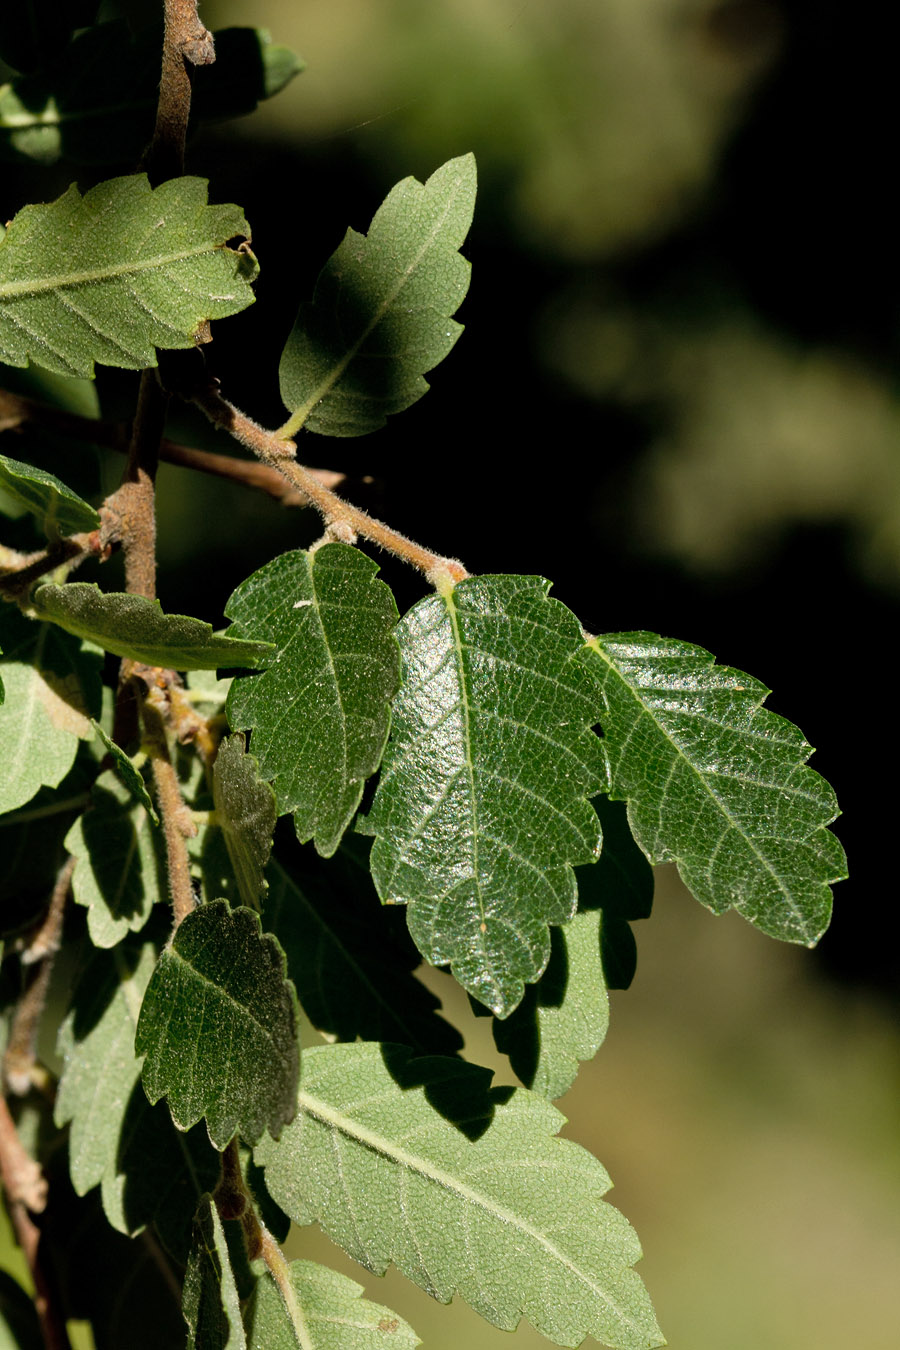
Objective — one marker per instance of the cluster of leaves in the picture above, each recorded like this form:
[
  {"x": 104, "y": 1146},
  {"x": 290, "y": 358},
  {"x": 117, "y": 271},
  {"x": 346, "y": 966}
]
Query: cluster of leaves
[{"x": 528, "y": 774}]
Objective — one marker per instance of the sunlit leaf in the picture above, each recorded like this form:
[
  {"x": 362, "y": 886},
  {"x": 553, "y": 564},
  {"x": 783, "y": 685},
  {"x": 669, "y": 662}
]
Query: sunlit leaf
[
  {"x": 380, "y": 315},
  {"x": 127, "y": 772},
  {"x": 112, "y": 275},
  {"x": 718, "y": 784},
  {"x": 464, "y": 1189},
  {"x": 320, "y": 713},
  {"x": 58, "y": 508},
  {"x": 218, "y": 1027},
  {"x": 321, "y": 1310},
  {"x": 481, "y": 807}
]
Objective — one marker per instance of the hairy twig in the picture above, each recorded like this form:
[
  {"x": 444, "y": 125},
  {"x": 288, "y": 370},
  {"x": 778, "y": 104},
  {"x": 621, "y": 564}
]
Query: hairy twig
[
  {"x": 177, "y": 823},
  {"x": 343, "y": 519},
  {"x": 18, "y": 572}
]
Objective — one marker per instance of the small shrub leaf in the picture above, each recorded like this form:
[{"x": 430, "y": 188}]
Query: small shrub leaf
[
  {"x": 320, "y": 713},
  {"x": 481, "y": 808},
  {"x": 380, "y": 315},
  {"x": 210, "y": 1301},
  {"x": 718, "y": 784},
  {"x": 321, "y": 1310},
  {"x": 127, "y": 772},
  {"x": 58, "y": 508},
  {"x": 246, "y": 813}
]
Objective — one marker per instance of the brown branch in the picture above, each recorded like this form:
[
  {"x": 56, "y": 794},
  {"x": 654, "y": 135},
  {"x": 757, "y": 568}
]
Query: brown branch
[
  {"x": 16, "y": 579},
  {"x": 343, "y": 520},
  {"x": 186, "y": 43},
  {"x": 14, "y": 410},
  {"x": 177, "y": 822}
]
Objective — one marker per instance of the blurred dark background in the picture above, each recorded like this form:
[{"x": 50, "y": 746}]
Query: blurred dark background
[{"x": 676, "y": 396}]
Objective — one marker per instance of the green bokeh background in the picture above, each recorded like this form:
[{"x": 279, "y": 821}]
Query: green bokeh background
[{"x": 677, "y": 396}]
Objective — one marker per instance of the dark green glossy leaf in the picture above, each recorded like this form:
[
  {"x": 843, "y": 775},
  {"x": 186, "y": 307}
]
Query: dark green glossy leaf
[
  {"x": 718, "y": 784},
  {"x": 218, "y": 1027},
  {"x": 481, "y": 808},
  {"x": 320, "y": 713},
  {"x": 210, "y": 1303},
  {"x": 380, "y": 315},
  {"x": 246, "y": 813},
  {"x": 319, "y": 1309},
  {"x": 52, "y": 691},
  {"x": 58, "y": 508},
  {"x": 464, "y": 1189},
  {"x": 132, "y": 626},
  {"x": 111, "y": 276}
]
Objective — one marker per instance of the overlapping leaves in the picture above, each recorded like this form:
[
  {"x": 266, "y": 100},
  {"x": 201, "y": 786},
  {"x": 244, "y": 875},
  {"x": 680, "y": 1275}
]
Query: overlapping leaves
[
  {"x": 111, "y": 276},
  {"x": 320, "y": 713},
  {"x": 380, "y": 315},
  {"x": 466, "y": 1190},
  {"x": 482, "y": 805},
  {"x": 718, "y": 784}
]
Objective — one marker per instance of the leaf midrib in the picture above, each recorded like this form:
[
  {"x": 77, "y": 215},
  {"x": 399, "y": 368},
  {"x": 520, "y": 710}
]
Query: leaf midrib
[{"x": 10, "y": 290}]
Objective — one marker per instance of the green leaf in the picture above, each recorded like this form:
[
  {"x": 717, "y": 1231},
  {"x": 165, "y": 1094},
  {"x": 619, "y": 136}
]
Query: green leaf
[
  {"x": 113, "y": 275},
  {"x": 320, "y": 714},
  {"x": 380, "y": 315},
  {"x": 132, "y": 626},
  {"x": 150, "y": 1172},
  {"x": 99, "y": 106},
  {"x": 246, "y": 813},
  {"x": 321, "y": 1310},
  {"x": 464, "y": 1190},
  {"x": 218, "y": 1027},
  {"x": 52, "y": 689},
  {"x": 210, "y": 1303},
  {"x": 352, "y": 980},
  {"x": 127, "y": 771},
  {"x": 481, "y": 807},
  {"x": 718, "y": 784},
  {"x": 119, "y": 875},
  {"x": 57, "y": 507}
]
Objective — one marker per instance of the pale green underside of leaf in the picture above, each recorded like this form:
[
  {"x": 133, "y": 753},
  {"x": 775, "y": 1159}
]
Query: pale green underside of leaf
[
  {"x": 718, "y": 784},
  {"x": 111, "y": 276},
  {"x": 563, "y": 1019},
  {"x": 511, "y": 1219},
  {"x": 246, "y": 813},
  {"x": 482, "y": 804},
  {"x": 51, "y": 690},
  {"x": 99, "y": 106},
  {"x": 210, "y": 1299},
  {"x": 119, "y": 873},
  {"x": 218, "y": 1027},
  {"x": 380, "y": 315},
  {"x": 320, "y": 713},
  {"x": 127, "y": 772},
  {"x": 58, "y": 508},
  {"x": 132, "y": 626},
  {"x": 323, "y": 1310}
]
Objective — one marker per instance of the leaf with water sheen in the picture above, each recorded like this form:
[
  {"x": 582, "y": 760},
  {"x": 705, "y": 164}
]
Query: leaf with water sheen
[
  {"x": 246, "y": 813},
  {"x": 465, "y": 1189},
  {"x": 482, "y": 804},
  {"x": 210, "y": 1301},
  {"x": 718, "y": 784},
  {"x": 58, "y": 508},
  {"x": 119, "y": 874},
  {"x": 380, "y": 315},
  {"x": 135, "y": 627},
  {"x": 52, "y": 688},
  {"x": 320, "y": 713},
  {"x": 218, "y": 1027},
  {"x": 113, "y": 275},
  {"x": 323, "y": 1310}
]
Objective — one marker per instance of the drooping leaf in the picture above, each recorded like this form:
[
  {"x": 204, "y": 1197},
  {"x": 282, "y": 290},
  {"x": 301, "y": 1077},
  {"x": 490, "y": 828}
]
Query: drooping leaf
[
  {"x": 352, "y": 979},
  {"x": 718, "y": 784},
  {"x": 481, "y": 807},
  {"x": 99, "y": 106},
  {"x": 246, "y": 813},
  {"x": 218, "y": 1027},
  {"x": 127, "y": 771},
  {"x": 465, "y": 1190},
  {"x": 112, "y": 275},
  {"x": 132, "y": 626},
  {"x": 321, "y": 1310},
  {"x": 52, "y": 691},
  {"x": 119, "y": 875},
  {"x": 380, "y": 315},
  {"x": 320, "y": 713},
  {"x": 58, "y": 508},
  {"x": 210, "y": 1302}
]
